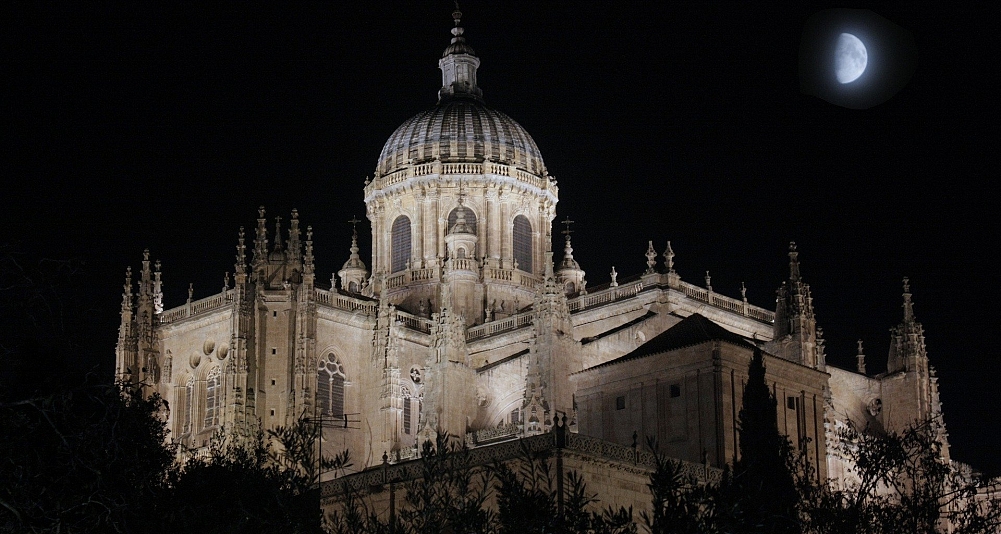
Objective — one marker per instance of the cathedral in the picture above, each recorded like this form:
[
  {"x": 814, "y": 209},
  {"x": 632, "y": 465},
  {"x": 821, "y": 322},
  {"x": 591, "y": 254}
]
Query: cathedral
[{"x": 465, "y": 322}]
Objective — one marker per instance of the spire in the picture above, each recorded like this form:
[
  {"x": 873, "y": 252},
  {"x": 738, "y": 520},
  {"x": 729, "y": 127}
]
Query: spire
[
  {"x": 908, "y": 305},
  {"x": 241, "y": 254},
  {"x": 157, "y": 289},
  {"x": 307, "y": 261},
  {"x": 796, "y": 335},
  {"x": 907, "y": 340},
  {"x": 793, "y": 262},
  {"x": 458, "y": 66},
  {"x": 860, "y": 357},
  {"x": 294, "y": 246},
  {"x": 127, "y": 291},
  {"x": 278, "y": 234},
  {"x": 145, "y": 278},
  {"x": 261, "y": 239}
]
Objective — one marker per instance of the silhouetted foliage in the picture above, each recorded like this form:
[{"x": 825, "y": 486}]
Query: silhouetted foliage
[
  {"x": 681, "y": 504},
  {"x": 900, "y": 483},
  {"x": 92, "y": 458},
  {"x": 451, "y": 495}
]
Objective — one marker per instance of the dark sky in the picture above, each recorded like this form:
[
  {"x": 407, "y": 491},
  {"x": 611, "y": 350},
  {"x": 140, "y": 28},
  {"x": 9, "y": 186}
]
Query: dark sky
[{"x": 166, "y": 128}]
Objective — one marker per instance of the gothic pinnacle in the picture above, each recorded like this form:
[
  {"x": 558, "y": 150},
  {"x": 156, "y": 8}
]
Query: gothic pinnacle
[
  {"x": 908, "y": 305},
  {"x": 669, "y": 258},
  {"x": 793, "y": 262},
  {"x": 651, "y": 259}
]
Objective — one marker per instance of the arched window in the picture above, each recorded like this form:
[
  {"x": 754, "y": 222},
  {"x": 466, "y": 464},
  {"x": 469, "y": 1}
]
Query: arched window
[
  {"x": 454, "y": 215},
  {"x": 213, "y": 398},
  {"x": 522, "y": 243},
  {"x": 189, "y": 405},
  {"x": 330, "y": 387},
  {"x": 401, "y": 243},
  {"x": 408, "y": 410}
]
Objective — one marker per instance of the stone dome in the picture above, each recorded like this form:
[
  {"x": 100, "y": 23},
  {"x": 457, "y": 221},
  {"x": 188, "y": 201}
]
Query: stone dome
[{"x": 461, "y": 130}]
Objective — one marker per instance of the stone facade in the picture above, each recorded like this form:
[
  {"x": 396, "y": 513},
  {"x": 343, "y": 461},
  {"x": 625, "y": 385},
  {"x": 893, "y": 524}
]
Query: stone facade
[{"x": 465, "y": 325}]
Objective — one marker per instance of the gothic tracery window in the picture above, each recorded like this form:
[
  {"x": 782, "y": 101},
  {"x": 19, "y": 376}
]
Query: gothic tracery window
[
  {"x": 522, "y": 243},
  {"x": 400, "y": 243},
  {"x": 407, "y": 411},
  {"x": 330, "y": 387},
  {"x": 213, "y": 394}
]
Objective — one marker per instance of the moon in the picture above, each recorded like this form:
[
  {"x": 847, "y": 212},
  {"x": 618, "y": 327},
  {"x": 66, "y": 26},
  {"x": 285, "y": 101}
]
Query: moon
[{"x": 850, "y": 58}]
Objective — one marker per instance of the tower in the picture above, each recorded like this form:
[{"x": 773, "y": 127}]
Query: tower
[
  {"x": 796, "y": 336},
  {"x": 460, "y": 157}
]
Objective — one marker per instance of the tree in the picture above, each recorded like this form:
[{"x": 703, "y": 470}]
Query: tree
[
  {"x": 761, "y": 495},
  {"x": 903, "y": 484},
  {"x": 681, "y": 504},
  {"x": 91, "y": 458},
  {"x": 528, "y": 500},
  {"x": 263, "y": 482}
]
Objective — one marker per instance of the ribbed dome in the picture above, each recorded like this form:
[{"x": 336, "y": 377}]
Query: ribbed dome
[{"x": 460, "y": 130}]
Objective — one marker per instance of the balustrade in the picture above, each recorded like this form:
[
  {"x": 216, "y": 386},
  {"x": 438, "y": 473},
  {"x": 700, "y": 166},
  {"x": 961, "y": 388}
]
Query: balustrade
[{"x": 414, "y": 322}]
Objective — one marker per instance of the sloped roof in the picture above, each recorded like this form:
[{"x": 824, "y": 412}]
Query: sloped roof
[{"x": 692, "y": 330}]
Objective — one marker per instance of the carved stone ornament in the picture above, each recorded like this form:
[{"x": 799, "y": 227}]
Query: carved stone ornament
[
  {"x": 195, "y": 360},
  {"x": 208, "y": 346},
  {"x": 222, "y": 352},
  {"x": 875, "y": 406}
]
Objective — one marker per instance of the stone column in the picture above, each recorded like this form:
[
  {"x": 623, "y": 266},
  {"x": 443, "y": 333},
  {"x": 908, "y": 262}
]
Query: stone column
[
  {"x": 505, "y": 228},
  {"x": 418, "y": 240},
  {"x": 492, "y": 226}
]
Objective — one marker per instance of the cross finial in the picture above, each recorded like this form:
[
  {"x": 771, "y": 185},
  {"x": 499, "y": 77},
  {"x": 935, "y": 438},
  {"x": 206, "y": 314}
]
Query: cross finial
[
  {"x": 354, "y": 223},
  {"x": 860, "y": 358},
  {"x": 457, "y": 15},
  {"x": 566, "y": 224}
]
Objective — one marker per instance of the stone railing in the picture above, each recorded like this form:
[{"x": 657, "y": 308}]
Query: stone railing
[
  {"x": 604, "y": 296},
  {"x": 493, "y": 273},
  {"x": 510, "y": 450},
  {"x": 344, "y": 302},
  {"x": 196, "y": 307},
  {"x": 465, "y": 264},
  {"x": 487, "y": 435},
  {"x": 426, "y": 169},
  {"x": 628, "y": 455},
  {"x": 397, "y": 279},
  {"x": 428, "y": 273},
  {"x": 413, "y": 322},
  {"x": 726, "y": 303},
  {"x": 528, "y": 279},
  {"x": 513, "y": 322}
]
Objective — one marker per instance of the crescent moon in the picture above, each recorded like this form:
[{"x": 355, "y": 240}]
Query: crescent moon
[{"x": 850, "y": 58}]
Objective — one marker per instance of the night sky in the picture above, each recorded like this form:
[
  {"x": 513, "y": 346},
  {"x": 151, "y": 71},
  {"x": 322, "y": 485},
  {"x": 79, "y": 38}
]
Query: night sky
[{"x": 165, "y": 128}]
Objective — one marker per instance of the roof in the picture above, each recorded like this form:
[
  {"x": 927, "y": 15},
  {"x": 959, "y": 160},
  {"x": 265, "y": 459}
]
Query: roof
[
  {"x": 461, "y": 130},
  {"x": 692, "y": 330}
]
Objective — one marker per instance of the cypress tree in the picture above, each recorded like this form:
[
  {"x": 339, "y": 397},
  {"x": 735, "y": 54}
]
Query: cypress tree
[{"x": 763, "y": 488}]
